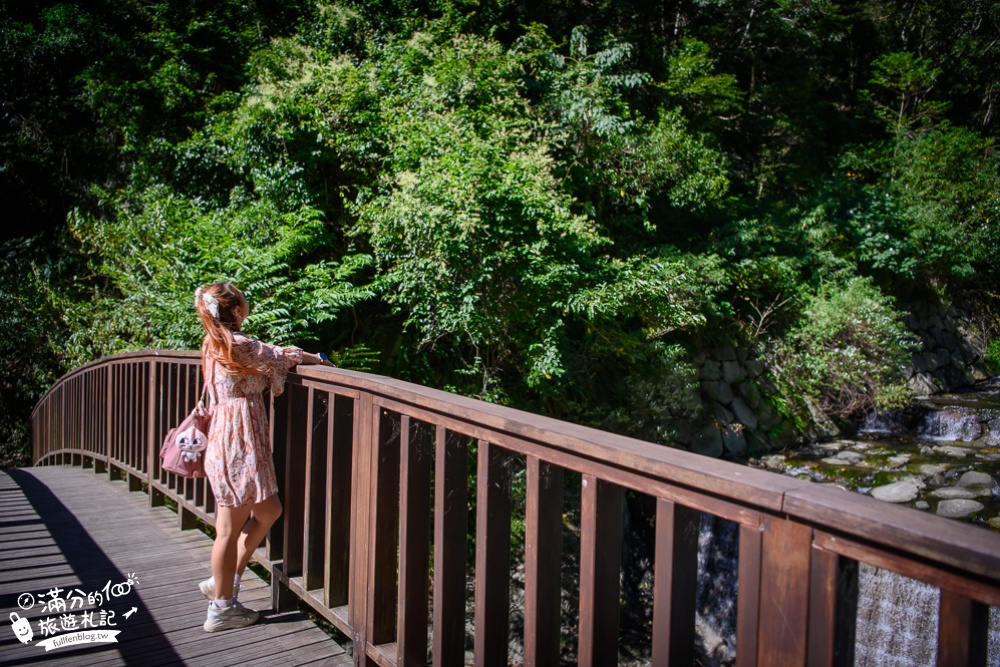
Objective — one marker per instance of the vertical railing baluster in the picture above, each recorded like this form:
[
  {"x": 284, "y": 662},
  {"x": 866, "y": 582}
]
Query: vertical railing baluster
[
  {"x": 317, "y": 446},
  {"x": 414, "y": 543},
  {"x": 109, "y": 429},
  {"x": 600, "y": 571},
  {"x": 339, "y": 510},
  {"x": 450, "y": 526},
  {"x": 833, "y": 604},
  {"x": 363, "y": 449},
  {"x": 299, "y": 413},
  {"x": 542, "y": 563},
  {"x": 748, "y": 597},
  {"x": 962, "y": 631},
  {"x": 383, "y": 532},
  {"x": 278, "y": 423},
  {"x": 675, "y": 583},
  {"x": 493, "y": 510}
]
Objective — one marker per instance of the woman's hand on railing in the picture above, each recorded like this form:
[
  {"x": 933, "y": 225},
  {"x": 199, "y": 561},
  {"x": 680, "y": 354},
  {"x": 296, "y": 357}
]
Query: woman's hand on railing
[{"x": 318, "y": 359}]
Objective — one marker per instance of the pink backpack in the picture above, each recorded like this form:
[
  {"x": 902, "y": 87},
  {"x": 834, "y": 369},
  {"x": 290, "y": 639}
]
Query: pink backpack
[{"x": 183, "y": 450}]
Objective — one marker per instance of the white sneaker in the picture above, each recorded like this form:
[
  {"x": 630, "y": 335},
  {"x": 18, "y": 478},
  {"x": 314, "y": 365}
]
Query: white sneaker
[
  {"x": 207, "y": 589},
  {"x": 233, "y": 616}
]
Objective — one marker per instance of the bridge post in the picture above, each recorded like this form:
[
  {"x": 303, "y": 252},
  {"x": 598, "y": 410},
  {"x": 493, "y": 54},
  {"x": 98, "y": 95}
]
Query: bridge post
[
  {"x": 783, "y": 593},
  {"x": 186, "y": 519}
]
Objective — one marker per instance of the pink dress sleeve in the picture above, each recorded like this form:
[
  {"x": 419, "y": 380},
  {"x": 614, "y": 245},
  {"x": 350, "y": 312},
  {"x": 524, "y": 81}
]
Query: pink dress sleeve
[{"x": 273, "y": 361}]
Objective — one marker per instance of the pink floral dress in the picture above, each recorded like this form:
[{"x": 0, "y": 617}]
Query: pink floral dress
[{"x": 238, "y": 456}]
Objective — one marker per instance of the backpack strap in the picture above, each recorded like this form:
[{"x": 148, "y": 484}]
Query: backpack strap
[{"x": 209, "y": 387}]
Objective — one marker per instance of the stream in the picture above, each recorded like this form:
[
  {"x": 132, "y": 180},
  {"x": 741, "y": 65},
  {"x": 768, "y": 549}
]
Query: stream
[{"x": 940, "y": 455}]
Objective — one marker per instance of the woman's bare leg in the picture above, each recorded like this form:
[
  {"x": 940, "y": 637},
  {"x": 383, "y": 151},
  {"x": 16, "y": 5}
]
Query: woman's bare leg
[
  {"x": 228, "y": 521},
  {"x": 264, "y": 514}
]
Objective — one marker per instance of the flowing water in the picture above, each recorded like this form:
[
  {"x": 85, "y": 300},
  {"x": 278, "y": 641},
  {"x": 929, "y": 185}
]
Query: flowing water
[{"x": 934, "y": 456}]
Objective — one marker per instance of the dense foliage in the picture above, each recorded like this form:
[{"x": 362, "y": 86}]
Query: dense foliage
[{"x": 552, "y": 205}]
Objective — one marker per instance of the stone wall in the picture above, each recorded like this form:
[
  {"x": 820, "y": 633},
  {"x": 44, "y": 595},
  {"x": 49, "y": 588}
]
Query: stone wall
[
  {"x": 734, "y": 387},
  {"x": 948, "y": 359},
  {"x": 738, "y": 414}
]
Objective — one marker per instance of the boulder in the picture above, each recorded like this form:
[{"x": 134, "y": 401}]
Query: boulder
[
  {"x": 711, "y": 370},
  {"x": 975, "y": 478},
  {"x": 733, "y": 439},
  {"x": 958, "y": 508},
  {"x": 899, "y": 460},
  {"x": 723, "y": 415},
  {"x": 744, "y": 414},
  {"x": 707, "y": 441},
  {"x": 849, "y": 456},
  {"x": 731, "y": 371},
  {"x": 950, "y": 492},
  {"x": 922, "y": 384},
  {"x": 750, "y": 393},
  {"x": 954, "y": 452},
  {"x": 898, "y": 492},
  {"x": 755, "y": 367},
  {"x": 717, "y": 390},
  {"x": 775, "y": 462}
]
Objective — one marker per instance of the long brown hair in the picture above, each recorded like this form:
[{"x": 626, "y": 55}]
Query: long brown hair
[{"x": 217, "y": 304}]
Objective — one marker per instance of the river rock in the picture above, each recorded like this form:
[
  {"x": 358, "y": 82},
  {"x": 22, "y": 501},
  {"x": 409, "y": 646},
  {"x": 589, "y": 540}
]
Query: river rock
[
  {"x": 952, "y": 451},
  {"x": 995, "y": 522},
  {"x": 950, "y": 493},
  {"x": 930, "y": 469},
  {"x": 899, "y": 460},
  {"x": 774, "y": 462},
  {"x": 849, "y": 456},
  {"x": 958, "y": 508},
  {"x": 897, "y": 492},
  {"x": 975, "y": 478},
  {"x": 922, "y": 505}
]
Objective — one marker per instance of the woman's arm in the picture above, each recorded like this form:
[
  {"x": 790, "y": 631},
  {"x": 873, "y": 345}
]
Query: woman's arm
[{"x": 310, "y": 358}]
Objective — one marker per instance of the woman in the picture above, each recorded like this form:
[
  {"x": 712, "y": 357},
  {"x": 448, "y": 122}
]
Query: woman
[{"x": 238, "y": 459}]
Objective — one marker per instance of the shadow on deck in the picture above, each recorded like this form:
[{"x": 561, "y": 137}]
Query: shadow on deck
[{"x": 65, "y": 530}]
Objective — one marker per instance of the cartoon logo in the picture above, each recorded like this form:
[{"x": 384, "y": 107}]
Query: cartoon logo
[{"x": 21, "y": 627}]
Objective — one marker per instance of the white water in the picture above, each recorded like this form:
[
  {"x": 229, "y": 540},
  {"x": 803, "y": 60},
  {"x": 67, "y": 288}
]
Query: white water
[{"x": 898, "y": 622}]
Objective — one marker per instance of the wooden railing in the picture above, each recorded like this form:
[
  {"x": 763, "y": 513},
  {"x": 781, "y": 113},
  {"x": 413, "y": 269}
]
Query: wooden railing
[{"x": 378, "y": 477}]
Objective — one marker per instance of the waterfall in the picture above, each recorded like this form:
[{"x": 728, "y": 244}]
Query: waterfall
[
  {"x": 715, "y": 599},
  {"x": 897, "y": 618},
  {"x": 951, "y": 424},
  {"x": 898, "y": 621}
]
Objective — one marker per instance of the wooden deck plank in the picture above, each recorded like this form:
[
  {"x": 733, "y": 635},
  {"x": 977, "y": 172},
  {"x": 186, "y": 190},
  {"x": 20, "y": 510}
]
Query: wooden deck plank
[{"x": 64, "y": 527}]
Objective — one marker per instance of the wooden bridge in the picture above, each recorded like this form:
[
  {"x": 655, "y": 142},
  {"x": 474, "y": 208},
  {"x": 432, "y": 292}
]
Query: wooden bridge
[{"x": 396, "y": 495}]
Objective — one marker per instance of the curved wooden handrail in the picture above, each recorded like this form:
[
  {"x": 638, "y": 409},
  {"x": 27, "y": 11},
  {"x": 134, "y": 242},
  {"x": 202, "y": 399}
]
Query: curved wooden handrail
[{"x": 354, "y": 453}]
